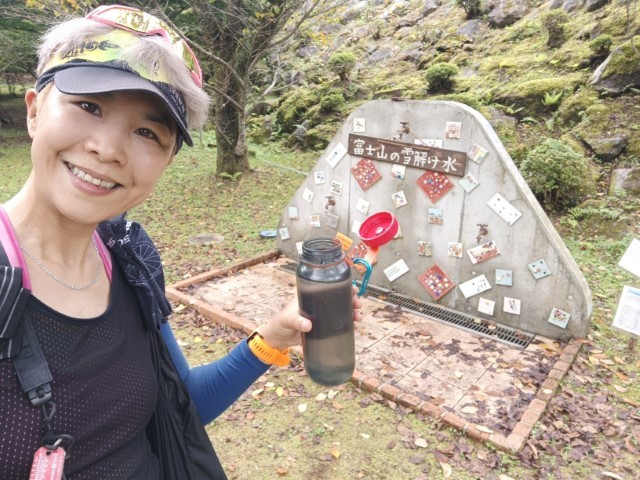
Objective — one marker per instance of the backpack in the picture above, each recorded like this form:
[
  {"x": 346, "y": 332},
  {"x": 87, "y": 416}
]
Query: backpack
[{"x": 175, "y": 431}]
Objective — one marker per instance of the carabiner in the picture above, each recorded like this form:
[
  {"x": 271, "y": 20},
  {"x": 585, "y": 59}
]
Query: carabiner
[{"x": 365, "y": 277}]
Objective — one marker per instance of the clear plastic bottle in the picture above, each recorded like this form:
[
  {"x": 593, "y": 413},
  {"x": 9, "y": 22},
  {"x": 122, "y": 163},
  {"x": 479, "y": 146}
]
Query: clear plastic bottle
[{"x": 325, "y": 297}]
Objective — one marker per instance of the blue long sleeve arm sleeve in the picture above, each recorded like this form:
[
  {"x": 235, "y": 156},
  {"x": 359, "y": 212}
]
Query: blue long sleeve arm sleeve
[{"x": 215, "y": 386}]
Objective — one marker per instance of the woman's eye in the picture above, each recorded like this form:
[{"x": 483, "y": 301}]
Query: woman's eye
[
  {"x": 90, "y": 107},
  {"x": 145, "y": 132}
]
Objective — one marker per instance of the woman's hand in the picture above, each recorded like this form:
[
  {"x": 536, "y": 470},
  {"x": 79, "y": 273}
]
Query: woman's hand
[{"x": 283, "y": 330}]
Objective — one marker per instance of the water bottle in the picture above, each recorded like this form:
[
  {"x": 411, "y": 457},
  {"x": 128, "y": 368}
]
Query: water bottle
[{"x": 325, "y": 297}]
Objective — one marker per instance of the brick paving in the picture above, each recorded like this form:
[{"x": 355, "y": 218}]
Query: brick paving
[{"x": 490, "y": 390}]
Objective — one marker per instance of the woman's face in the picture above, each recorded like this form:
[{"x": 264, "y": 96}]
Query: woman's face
[{"x": 97, "y": 156}]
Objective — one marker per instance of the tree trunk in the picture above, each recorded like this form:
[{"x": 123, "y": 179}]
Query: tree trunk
[{"x": 232, "y": 151}]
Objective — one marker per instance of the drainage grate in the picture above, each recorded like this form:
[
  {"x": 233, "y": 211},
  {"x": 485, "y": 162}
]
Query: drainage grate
[{"x": 510, "y": 336}]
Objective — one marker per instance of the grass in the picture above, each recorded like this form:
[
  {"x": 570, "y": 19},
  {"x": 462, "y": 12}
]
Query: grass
[{"x": 346, "y": 433}]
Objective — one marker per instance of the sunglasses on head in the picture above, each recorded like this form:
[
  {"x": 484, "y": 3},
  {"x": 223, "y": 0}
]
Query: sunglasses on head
[{"x": 143, "y": 24}]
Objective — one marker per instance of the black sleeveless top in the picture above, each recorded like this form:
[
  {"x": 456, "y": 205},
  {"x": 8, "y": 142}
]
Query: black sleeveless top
[{"x": 104, "y": 387}]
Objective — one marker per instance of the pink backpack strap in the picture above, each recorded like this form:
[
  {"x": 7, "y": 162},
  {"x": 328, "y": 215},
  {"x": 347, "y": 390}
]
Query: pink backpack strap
[
  {"x": 12, "y": 247},
  {"x": 104, "y": 255}
]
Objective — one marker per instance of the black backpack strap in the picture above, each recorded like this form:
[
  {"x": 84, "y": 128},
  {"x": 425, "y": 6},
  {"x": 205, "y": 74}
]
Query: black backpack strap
[
  {"x": 18, "y": 339},
  {"x": 13, "y": 300},
  {"x": 32, "y": 367}
]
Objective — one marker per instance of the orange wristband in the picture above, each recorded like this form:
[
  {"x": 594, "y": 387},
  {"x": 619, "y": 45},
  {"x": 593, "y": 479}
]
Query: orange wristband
[{"x": 266, "y": 353}]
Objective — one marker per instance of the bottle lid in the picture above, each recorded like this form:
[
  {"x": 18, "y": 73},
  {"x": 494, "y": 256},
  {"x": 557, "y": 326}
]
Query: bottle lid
[{"x": 378, "y": 229}]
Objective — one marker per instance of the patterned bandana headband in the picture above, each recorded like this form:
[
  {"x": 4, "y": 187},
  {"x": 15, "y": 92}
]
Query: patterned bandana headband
[
  {"x": 81, "y": 70},
  {"x": 140, "y": 23}
]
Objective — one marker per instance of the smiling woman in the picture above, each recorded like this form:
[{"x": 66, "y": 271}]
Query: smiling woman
[{"x": 116, "y": 95}]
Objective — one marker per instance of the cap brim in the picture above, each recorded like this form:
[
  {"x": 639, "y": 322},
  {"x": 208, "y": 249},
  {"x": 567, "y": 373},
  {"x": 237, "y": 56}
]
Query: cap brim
[{"x": 90, "y": 80}]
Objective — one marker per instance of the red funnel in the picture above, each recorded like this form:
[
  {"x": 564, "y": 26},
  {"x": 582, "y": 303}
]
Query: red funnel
[{"x": 378, "y": 229}]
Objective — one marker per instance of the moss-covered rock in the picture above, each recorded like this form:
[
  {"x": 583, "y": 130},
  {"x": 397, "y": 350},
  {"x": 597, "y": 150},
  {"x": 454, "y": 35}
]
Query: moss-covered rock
[
  {"x": 294, "y": 105},
  {"x": 600, "y": 133},
  {"x": 620, "y": 70},
  {"x": 319, "y": 136},
  {"x": 625, "y": 180},
  {"x": 526, "y": 98},
  {"x": 574, "y": 106},
  {"x": 526, "y": 28},
  {"x": 467, "y": 98}
]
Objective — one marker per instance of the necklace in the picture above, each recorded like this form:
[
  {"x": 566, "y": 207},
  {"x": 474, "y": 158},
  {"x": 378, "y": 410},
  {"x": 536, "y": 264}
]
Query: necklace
[{"x": 58, "y": 279}]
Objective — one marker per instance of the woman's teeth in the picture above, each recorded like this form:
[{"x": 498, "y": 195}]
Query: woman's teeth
[{"x": 89, "y": 179}]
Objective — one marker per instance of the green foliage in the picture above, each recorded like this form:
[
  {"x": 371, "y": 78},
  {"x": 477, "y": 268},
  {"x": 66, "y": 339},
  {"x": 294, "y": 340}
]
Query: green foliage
[
  {"x": 525, "y": 97},
  {"x": 473, "y": 8},
  {"x": 558, "y": 175},
  {"x": 554, "y": 22},
  {"x": 552, "y": 99},
  {"x": 341, "y": 63},
  {"x": 601, "y": 44},
  {"x": 230, "y": 176},
  {"x": 331, "y": 102},
  {"x": 18, "y": 34},
  {"x": 611, "y": 216},
  {"x": 441, "y": 77},
  {"x": 292, "y": 110}
]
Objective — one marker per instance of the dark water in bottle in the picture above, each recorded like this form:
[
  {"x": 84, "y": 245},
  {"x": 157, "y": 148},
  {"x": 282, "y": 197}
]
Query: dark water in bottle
[{"x": 329, "y": 348}]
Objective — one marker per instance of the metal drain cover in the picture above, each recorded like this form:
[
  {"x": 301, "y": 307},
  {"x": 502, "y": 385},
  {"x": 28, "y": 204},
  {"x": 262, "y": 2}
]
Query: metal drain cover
[{"x": 490, "y": 329}]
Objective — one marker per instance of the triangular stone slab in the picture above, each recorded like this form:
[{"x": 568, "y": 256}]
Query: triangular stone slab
[{"x": 494, "y": 241}]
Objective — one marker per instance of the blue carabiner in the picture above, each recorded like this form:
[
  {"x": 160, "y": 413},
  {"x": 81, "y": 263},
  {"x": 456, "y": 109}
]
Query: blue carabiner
[{"x": 365, "y": 278}]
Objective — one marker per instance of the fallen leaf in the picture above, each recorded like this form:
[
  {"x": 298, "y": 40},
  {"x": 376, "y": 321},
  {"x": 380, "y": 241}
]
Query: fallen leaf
[
  {"x": 335, "y": 453},
  {"x": 321, "y": 397},
  {"x": 458, "y": 374},
  {"x": 257, "y": 392},
  {"x": 421, "y": 442},
  {"x": 365, "y": 435},
  {"x": 282, "y": 471},
  {"x": 279, "y": 391},
  {"x": 337, "y": 405},
  {"x": 197, "y": 339},
  {"x": 302, "y": 407},
  {"x": 484, "y": 429},
  {"x": 611, "y": 475},
  {"x": 469, "y": 409}
]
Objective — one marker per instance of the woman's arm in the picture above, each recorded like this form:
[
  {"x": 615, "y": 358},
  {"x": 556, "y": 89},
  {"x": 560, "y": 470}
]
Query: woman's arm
[{"x": 215, "y": 386}]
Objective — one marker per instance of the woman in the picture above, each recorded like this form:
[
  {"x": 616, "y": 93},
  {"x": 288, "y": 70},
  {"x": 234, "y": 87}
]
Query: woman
[{"x": 116, "y": 94}]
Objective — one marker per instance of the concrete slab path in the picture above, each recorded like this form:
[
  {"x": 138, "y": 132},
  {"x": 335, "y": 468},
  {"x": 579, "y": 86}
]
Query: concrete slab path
[{"x": 493, "y": 391}]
